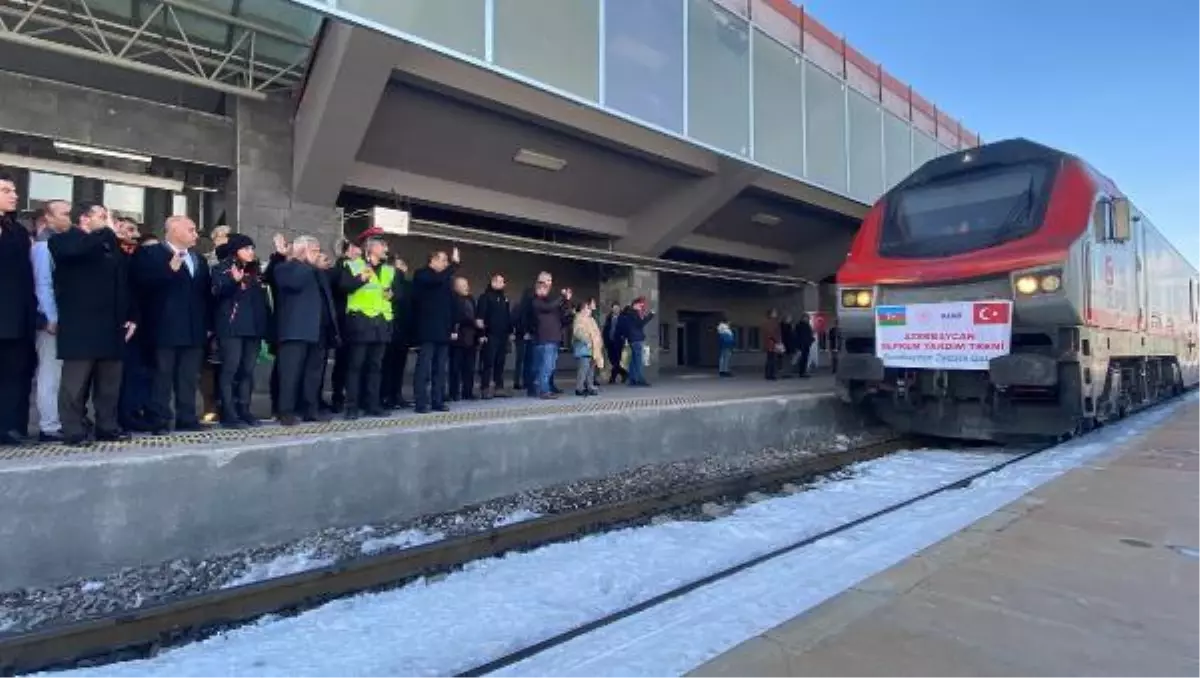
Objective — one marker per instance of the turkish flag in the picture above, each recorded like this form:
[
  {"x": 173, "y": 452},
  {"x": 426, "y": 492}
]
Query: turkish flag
[{"x": 992, "y": 313}]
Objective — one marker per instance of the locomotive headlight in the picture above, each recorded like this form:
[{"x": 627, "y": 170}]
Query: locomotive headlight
[
  {"x": 857, "y": 298},
  {"x": 1040, "y": 282},
  {"x": 1027, "y": 284}
]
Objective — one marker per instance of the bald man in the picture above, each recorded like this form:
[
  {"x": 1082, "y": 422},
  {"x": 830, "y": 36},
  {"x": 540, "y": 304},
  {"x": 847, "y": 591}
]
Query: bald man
[{"x": 178, "y": 288}]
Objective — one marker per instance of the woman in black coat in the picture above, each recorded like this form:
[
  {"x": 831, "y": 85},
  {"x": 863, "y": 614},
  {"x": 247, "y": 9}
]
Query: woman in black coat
[{"x": 241, "y": 321}]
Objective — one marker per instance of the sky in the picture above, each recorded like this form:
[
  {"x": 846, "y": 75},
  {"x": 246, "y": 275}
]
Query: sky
[{"x": 1113, "y": 82}]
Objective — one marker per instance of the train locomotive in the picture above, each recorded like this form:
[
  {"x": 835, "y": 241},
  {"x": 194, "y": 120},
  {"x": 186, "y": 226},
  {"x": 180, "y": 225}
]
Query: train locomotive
[{"x": 1012, "y": 292}]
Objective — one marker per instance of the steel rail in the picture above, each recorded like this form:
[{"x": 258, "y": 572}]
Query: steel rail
[
  {"x": 140, "y": 633},
  {"x": 534, "y": 649}
]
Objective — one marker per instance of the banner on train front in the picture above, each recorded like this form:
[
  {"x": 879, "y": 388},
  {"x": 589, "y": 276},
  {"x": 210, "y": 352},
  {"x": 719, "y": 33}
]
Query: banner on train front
[{"x": 959, "y": 335}]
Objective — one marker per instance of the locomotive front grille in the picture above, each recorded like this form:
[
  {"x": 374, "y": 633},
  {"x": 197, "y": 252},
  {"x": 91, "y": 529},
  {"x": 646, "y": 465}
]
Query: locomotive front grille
[{"x": 975, "y": 290}]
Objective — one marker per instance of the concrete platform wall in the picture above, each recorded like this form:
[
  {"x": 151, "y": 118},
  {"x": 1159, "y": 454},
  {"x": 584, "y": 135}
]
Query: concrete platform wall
[{"x": 65, "y": 518}]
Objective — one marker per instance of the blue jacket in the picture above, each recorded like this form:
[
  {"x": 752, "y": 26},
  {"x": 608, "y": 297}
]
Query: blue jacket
[
  {"x": 726, "y": 338},
  {"x": 631, "y": 327}
]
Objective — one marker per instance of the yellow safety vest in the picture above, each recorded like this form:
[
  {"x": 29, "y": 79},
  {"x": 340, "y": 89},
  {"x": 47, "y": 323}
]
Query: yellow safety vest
[{"x": 370, "y": 300}]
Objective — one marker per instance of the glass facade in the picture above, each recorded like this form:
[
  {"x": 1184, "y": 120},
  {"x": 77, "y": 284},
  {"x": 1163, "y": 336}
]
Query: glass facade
[
  {"x": 551, "y": 41},
  {"x": 778, "y": 106},
  {"x": 727, "y": 74},
  {"x": 643, "y": 60},
  {"x": 718, "y": 77}
]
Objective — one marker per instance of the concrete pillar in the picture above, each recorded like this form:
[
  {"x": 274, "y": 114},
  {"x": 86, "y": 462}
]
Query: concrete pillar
[
  {"x": 348, "y": 76},
  {"x": 261, "y": 187},
  {"x": 622, "y": 285},
  {"x": 675, "y": 215}
]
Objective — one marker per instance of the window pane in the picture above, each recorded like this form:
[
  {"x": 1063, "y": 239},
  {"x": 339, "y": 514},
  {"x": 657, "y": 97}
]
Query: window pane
[
  {"x": 551, "y": 41},
  {"x": 44, "y": 187},
  {"x": 127, "y": 202},
  {"x": 924, "y": 148},
  {"x": 825, "y": 108},
  {"x": 778, "y": 106},
  {"x": 897, "y": 140},
  {"x": 643, "y": 60},
  {"x": 457, "y": 24},
  {"x": 179, "y": 204},
  {"x": 866, "y": 148},
  {"x": 718, "y": 77}
]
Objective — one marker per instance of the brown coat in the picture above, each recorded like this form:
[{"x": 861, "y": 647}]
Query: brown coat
[
  {"x": 586, "y": 329},
  {"x": 772, "y": 333}
]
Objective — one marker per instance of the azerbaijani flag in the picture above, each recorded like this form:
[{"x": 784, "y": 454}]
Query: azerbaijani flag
[{"x": 891, "y": 316}]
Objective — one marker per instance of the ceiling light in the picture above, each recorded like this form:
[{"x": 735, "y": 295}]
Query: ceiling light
[
  {"x": 202, "y": 189},
  {"x": 765, "y": 219},
  {"x": 68, "y": 147},
  {"x": 539, "y": 160}
]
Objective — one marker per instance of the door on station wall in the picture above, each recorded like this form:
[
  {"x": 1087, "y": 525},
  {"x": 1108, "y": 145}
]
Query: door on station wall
[{"x": 696, "y": 339}]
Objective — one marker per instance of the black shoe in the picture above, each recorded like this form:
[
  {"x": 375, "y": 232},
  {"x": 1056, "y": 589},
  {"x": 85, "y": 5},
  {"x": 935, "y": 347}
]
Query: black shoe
[
  {"x": 248, "y": 419},
  {"x": 188, "y": 426},
  {"x": 581, "y": 394},
  {"x": 11, "y": 438},
  {"x": 317, "y": 417},
  {"x": 50, "y": 438},
  {"x": 77, "y": 441},
  {"x": 441, "y": 408},
  {"x": 352, "y": 414},
  {"x": 288, "y": 420},
  {"x": 421, "y": 410},
  {"x": 592, "y": 392},
  {"x": 234, "y": 424},
  {"x": 377, "y": 412},
  {"x": 117, "y": 436},
  {"x": 336, "y": 408}
]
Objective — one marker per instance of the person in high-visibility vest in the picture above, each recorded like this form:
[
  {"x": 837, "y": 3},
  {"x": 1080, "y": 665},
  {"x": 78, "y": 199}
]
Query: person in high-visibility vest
[{"x": 368, "y": 282}]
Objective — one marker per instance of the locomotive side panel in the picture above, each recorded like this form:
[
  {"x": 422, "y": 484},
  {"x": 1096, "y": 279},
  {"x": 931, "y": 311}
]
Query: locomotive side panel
[{"x": 1170, "y": 301}]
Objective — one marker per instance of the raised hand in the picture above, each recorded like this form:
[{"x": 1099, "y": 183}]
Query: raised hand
[
  {"x": 454, "y": 256},
  {"x": 237, "y": 273}
]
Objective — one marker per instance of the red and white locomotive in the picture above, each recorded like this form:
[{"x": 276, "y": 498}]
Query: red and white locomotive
[{"x": 1012, "y": 291}]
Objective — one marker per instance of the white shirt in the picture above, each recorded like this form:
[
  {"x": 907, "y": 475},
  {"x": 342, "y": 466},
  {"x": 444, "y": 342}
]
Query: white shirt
[{"x": 187, "y": 258}]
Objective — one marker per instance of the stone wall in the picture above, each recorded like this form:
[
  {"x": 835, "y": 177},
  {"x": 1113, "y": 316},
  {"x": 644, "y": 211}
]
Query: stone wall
[
  {"x": 622, "y": 285},
  {"x": 57, "y": 110},
  {"x": 261, "y": 189}
]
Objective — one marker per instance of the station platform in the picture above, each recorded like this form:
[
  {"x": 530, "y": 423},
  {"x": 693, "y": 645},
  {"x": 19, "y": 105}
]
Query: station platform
[
  {"x": 79, "y": 512},
  {"x": 1095, "y": 573}
]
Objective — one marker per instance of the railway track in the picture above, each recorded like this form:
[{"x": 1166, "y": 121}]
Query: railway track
[
  {"x": 142, "y": 633},
  {"x": 535, "y": 649}
]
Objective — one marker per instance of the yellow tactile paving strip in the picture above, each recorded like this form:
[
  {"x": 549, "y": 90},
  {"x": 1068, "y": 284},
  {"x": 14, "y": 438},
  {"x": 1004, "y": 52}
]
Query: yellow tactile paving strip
[{"x": 404, "y": 420}]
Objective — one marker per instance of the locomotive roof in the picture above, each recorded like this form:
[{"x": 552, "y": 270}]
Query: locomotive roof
[{"x": 1007, "y": 152}]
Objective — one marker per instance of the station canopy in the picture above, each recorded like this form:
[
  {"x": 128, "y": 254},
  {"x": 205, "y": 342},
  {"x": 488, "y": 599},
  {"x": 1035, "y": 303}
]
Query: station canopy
[{"x": 244, "y": 47}]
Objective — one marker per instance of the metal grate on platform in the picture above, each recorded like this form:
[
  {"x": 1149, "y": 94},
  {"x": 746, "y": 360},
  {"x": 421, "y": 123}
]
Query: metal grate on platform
[{"x": 404, "y": 420}]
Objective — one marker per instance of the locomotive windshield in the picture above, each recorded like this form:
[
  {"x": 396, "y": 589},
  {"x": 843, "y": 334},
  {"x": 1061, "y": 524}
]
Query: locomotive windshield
[{"x": 964, "y": 211}]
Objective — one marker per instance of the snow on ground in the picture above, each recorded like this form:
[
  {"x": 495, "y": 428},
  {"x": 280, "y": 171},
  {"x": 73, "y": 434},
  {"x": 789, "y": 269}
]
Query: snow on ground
[
  {"x": 495, "y": 606},
  {"x": 518, "y": 516},
  {"x": 280, "y": 566},
  {"x": 406, "y": 539},
  {"x": 679, "y": 635}
]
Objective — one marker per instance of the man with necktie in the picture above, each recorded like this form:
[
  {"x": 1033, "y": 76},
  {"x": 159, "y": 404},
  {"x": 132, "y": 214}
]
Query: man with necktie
[{"x": 177, "y": 284}]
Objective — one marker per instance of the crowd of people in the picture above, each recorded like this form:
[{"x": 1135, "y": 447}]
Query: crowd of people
[{"x": 98, "y": 313}]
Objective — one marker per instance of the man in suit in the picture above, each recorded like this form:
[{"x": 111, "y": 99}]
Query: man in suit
[
  {"x": 180, "y": 295},
  {"x": 433, "y": 305},
  {"x": 306, "y": 328},
  {"x": 18, "y": 314},
  {"x": 96, "y": 317}
]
